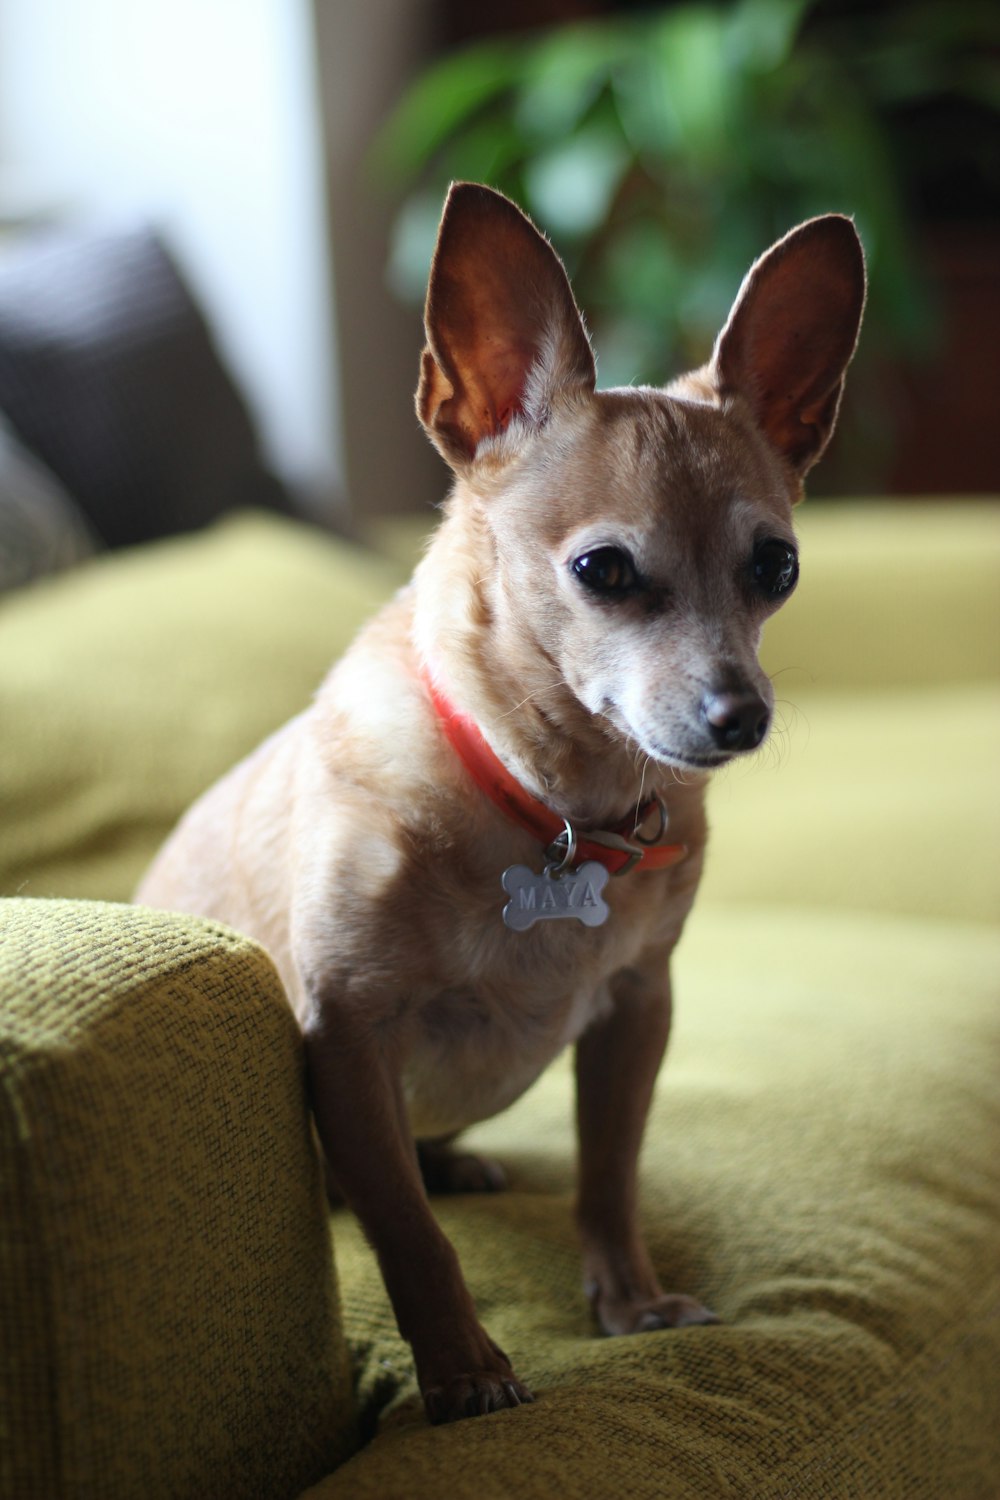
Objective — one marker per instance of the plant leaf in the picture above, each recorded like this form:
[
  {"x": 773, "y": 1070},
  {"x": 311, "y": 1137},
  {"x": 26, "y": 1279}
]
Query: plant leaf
[{"x": 439, "y": 103}]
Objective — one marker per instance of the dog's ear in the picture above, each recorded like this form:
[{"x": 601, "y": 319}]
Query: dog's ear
[
  {"x": 791, "y": 335},
  {"x": 504, "y": 335}
]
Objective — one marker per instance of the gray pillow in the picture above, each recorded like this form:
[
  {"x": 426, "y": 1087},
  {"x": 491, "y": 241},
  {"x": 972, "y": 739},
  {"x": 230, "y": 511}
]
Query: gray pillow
[
  {"x": 109, "y": 374},
  {"x": 41, "y": 529}
]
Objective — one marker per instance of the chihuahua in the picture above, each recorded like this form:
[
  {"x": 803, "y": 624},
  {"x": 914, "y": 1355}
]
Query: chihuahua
[{"x": 480, "y": 843}]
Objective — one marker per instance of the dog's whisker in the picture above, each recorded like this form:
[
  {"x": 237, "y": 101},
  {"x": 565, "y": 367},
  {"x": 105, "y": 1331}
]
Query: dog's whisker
[
  {"x": 801, "y": 673},
  {"x": 535, "y": 693},
  {"x": 788, "y": 717},
  {"x": 642, "y": 779}
]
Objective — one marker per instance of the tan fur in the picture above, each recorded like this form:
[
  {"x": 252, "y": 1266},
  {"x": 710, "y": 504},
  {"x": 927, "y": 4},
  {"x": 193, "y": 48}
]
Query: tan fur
[{"x": 354, "y": 845}]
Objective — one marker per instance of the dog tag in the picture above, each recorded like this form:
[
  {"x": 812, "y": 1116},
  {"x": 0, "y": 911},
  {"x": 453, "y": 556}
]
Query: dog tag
[{"x": 573, "y": 895}]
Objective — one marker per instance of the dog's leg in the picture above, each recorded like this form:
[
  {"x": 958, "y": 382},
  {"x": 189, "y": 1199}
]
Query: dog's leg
[
  {"x": 616, "y": 1065},
  {"x": 446, "y": 1170},
  {"x": 358, "y": 1105}
]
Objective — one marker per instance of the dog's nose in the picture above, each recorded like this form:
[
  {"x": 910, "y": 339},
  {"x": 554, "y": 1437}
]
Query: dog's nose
[{"x": 737, "y": 721}]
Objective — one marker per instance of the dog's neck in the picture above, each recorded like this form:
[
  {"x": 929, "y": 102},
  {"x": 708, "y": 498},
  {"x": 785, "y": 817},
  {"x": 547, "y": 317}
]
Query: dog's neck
[{"x": 572, "y": 760}]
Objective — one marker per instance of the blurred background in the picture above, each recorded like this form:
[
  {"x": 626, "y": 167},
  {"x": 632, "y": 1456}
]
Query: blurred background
[{"x": 216, "y": 218}]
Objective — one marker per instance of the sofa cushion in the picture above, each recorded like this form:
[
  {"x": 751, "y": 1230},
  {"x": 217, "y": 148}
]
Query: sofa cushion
[
  {"x": 877, "y": 789},
  {"x": 129, "y": 685},
  {"x": 167, "y": 1298},
  {"x": 822, "y": 1168},
  {"x": 882, "y": 801},
  {"x": 893, "y": 595}
]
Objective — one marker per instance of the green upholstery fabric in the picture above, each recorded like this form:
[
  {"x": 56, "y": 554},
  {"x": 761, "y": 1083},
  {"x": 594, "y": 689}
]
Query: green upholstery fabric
[
  {"x": 877, "y": 790},
  {"x": 886, "y": 803},
  {"x": 893, "y": 595},
  {"x": 821, "y": 1166},
  {"x": 137, "y": 680},
  {"x": 167, "y": 1299}
]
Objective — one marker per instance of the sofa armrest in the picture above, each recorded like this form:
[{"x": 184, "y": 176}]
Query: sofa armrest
[{"x": 167, "y": 1291}]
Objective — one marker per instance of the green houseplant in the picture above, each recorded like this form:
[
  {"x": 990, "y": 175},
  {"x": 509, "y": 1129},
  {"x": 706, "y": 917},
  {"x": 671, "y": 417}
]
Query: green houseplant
[{"x": 662, "y": 150}]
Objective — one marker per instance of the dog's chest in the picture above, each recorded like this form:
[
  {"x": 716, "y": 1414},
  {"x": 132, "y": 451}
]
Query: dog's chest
[{"x": 514, "y": 1001}]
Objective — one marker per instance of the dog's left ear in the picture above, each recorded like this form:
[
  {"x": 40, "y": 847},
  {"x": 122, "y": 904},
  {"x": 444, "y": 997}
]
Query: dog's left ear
[
  {"x": 504, "y": 336},
  {"x": 791, "y": 335}
]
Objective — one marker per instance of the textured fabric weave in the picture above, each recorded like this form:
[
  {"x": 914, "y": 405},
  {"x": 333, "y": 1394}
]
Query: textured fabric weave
[
  {"x": 823, "y": 1168},
  {"x": 167, "y": 1299}
]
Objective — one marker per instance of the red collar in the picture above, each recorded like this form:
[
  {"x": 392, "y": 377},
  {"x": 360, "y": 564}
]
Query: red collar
[{"x": 618, "y": 849}]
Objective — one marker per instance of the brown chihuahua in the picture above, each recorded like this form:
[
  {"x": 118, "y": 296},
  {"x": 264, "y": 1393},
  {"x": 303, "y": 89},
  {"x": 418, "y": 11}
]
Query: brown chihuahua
[{"x": 480, "y": 842}]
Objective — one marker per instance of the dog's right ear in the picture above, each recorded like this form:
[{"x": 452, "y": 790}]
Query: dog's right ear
[
  {"x": 504, "y": 335},
  {"x": 791, "y": 335}
]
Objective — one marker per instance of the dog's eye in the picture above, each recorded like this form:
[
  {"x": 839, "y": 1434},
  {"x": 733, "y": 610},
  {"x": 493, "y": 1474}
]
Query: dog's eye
[
  {"x": 606, "y": 570},
  {"x": 774, "y": 568}
]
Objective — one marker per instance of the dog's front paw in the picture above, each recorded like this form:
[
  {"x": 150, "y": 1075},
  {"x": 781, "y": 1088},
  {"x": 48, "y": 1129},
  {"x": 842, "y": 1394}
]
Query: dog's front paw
[
  {"x": 487, "y": 1383},
  {"x": 473, "y": 1395},
  {"x": 669, "y": 1310}
]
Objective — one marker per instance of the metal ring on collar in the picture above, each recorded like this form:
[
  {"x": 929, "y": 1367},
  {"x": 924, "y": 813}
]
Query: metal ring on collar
[
  {"x": 569, "y": 835},
  {"x": 661, "y": 826}
]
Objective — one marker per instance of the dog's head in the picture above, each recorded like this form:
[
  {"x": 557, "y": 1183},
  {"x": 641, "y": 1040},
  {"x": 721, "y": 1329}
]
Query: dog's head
[{"x": 641, "y": 536}]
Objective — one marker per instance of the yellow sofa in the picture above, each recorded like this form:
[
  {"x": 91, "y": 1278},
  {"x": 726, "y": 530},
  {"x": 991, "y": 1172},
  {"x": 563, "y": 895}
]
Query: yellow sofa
[{"x": 822, "y": 1164}]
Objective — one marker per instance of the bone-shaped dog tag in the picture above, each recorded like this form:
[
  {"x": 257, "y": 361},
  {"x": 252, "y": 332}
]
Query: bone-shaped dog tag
[{"x": 575, "y": 894}]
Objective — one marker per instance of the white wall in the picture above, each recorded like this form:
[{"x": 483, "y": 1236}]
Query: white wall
[{"x": 202, "y": 116}]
